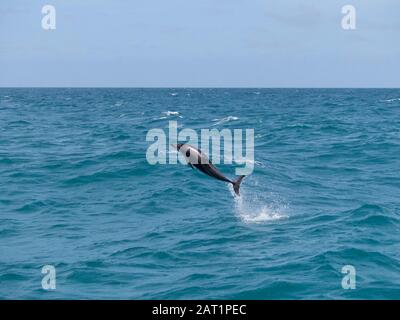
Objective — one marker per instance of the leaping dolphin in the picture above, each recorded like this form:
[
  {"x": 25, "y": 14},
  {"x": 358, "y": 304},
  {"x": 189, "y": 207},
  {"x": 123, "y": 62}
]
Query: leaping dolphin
[{"x": 195, "y": 158}]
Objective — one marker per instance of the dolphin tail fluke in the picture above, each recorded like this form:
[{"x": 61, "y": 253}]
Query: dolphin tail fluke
[{"x": 236, "y": 185}]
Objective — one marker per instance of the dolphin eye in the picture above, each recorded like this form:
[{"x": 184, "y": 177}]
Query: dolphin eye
[{"x": 188, "y": 153}]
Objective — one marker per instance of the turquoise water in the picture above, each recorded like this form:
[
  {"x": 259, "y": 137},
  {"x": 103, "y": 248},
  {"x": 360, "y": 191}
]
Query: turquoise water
[{"x": 77, "y": 192}]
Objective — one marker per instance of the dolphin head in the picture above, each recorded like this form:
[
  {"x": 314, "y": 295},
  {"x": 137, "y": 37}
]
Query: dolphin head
[{"x": 177, "y": 146}]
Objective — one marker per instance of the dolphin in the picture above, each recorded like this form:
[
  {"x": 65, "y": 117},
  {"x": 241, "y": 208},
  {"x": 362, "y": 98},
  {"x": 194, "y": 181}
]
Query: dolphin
[{"x": 197, "y": 159}]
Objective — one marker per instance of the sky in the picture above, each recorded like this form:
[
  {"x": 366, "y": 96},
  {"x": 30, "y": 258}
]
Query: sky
[{"x": 199, "y": 43}]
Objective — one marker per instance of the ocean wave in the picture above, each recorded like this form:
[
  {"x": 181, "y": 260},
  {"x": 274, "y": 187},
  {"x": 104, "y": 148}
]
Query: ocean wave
[
  {"x": 224, "y": 120},
  {"x": 371, "y": 215},
  {"x": 391, "y": 100},
  {"x": 103, "y": 175},
  {"x": 32, "y": 206},
  {"x": 19, "y": 123},
  {"x": 365, "y": 210},
  {"x": 343, "y": 253},
  {"x": 267, "y": 290}
]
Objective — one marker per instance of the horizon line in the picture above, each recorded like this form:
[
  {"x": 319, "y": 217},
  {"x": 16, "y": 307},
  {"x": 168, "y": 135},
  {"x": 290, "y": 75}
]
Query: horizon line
[{"x": 182, "y": 87}]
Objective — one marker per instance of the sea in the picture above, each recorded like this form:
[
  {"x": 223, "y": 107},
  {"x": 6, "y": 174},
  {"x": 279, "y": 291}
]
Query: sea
[{"x": 84, "y": 215}]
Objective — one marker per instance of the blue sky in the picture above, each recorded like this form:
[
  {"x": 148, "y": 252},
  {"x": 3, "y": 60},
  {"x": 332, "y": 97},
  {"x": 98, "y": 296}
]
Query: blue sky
[{"x": 202, "y": 43}]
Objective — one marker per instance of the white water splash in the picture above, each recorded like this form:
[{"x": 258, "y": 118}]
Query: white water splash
[
  {"x": 392, "y": 100},
  {"x": 172, "y": 113},
  {"x": 167, "y": 114},
  {"x": 118, "y": 103},
  {"x": 226, "y": 119},
  {"x": 258, "y": 208}
]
